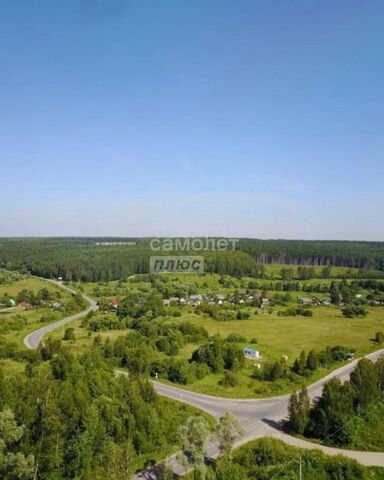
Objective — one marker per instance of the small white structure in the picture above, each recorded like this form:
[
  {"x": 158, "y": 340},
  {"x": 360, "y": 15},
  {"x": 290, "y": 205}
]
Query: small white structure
[{"x": 251, "y": 353}]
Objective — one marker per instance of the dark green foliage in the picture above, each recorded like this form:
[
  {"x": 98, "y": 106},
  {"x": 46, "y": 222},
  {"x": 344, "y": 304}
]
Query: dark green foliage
[
  {"x": 268, "y": 458},
  {"x": 335, "y": 416},
  {"x": 69, "y": 334},
  {"x": 293, "y": 312},
  {"x": 306, "y": 273},
  {"x": 278, "y": 370},
  {"x": 351, "y": 311},
  {"x": 81, "y": 259},
  {"x": 236, "y": 338},
  {"x": 136, "y": 306},
  {"x": 316, "y": 252},
  {"x": 272, "y": 371},
  {"x": 229, "y": 380},
  {"x": 306, "y": 364},
  {"x": 227, "y": 470},
  {"x": 298, "y": 410},
  {"x": 211, "y": 354},
  {"x": 379, "y": 337},
  {"x": 313, "y": 361},
  {"x": 365, "y": 381},
  {"x": 300, "y": 364},
  {"x": 80, "y": 421}
]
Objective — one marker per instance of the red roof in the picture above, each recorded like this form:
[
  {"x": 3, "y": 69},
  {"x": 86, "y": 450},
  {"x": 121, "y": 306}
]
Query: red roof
[
  {"x": 114, "y": 301},
  {"x": 25, "y": 305}
]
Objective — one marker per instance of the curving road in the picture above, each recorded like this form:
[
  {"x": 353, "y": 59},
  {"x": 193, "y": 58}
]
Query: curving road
[
  {"x": 259, "y": 418},
  {"x": 263, "y": 417},
  {"x": 33, "y": 339}
]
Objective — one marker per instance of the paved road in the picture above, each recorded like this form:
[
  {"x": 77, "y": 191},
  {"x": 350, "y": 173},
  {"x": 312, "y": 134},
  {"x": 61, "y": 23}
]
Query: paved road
[
  {"x": 33, "y": 339},
  {"x": 261, "y": 418},
  {"x": 271, "y": 407}
]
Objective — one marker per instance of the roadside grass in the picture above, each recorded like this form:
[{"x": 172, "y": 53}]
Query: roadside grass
[
  {"x": 285, "y": 336},
  {"x": 175, "y": 414},
  {"x": 376, "y": 473},
  {"x": 276, "y": 336},
  {"x": 32, "y": 316},
  {"x": 265, "y": 456},
  {"x": 84, "y": 338}
]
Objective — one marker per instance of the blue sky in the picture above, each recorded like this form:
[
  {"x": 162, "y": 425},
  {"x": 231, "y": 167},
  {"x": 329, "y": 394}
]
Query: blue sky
[{"x": 204, "y": 117}]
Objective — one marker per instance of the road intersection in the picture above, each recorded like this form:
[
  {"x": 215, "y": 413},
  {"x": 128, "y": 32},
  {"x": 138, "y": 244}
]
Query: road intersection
[{"x": 259, "y": 417}]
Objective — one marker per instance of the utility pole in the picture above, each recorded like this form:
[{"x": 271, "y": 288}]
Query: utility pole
[
  {"x": 300, "y": 469},
  {"x": 35, "y": 474}
]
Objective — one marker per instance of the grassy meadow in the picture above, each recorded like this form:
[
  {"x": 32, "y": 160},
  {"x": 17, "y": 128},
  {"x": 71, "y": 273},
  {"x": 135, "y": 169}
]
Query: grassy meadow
[
  {"x": 10, "y": 287},
  {"x": 276, "y": 335}
]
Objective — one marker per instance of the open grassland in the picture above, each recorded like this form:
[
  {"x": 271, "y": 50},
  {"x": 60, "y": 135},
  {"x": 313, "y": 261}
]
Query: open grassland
[
  {"x": 273, "y": 335},
  {"x": 84, "y": 338},
  {"x": 277, "y": 336},
  {"x": 29, "y": 283},
  {"x": 32, "y": 318},
  {"x": 273, "y": 270}
]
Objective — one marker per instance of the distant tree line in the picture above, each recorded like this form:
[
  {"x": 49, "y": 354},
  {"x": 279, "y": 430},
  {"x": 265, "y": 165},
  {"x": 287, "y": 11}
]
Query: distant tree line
[
  {"x": 316, "y": 252},
  {"x": 82, "y": 259}
]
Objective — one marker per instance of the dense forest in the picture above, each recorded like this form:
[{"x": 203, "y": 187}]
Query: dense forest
[
  {"x": 104, "y": 259},
  {"x": 71, "y": 418},
  {"x": 312, "y": 252}
]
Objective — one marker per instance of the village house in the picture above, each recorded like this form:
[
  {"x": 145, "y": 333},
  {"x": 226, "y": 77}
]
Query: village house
[
  {"x": 195, "y": 299},
  {"x": 114, "y": 303},
  {"x": 24, "y": 305},
  {"x": 265, "y": 301},
  {"x": 305, "y": 300}
]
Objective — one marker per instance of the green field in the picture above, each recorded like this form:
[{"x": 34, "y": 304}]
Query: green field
[
  {"x": 276, "y": 336},
  {"x": 32, "y": 317}
]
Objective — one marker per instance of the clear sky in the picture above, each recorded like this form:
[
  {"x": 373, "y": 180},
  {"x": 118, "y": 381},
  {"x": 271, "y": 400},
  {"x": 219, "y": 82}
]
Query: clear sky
[{"x": 200, "y": 117}]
